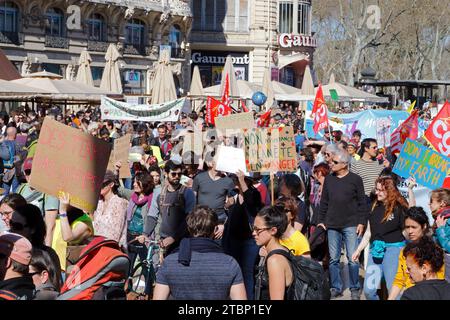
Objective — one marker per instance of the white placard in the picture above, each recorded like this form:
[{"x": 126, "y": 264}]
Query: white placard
[{"x": 229, "y": 159}]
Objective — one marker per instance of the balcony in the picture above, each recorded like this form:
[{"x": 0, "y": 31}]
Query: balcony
[
  {"x": 56, "y": 42},
  {"x": 14, "y": 38},
  {"x": 97, "y": 46},
  {"x": 136, "y": 49}
]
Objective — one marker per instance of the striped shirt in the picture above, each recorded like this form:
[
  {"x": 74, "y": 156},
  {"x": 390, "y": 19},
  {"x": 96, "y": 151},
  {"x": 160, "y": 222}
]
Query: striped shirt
[{"x": 369, "y": 171}]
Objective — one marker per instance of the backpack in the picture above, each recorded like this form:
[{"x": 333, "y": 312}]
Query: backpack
[
  {"x": 180, "y": 197},
  {"x": 310, "y": 281},
  {"x": 8, "y": 295}
]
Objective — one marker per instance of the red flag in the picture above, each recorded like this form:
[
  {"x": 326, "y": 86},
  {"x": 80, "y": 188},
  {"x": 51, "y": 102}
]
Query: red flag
[
  {"x": 319, "y": 112},
  {"x": 264, "y": 119},
  {"x": 215, "y": 108},
  {"x": 438, "y": 133},
  {"x": 408, "y": 129},
  {"x": 244, "y": 107},
  {"x": 226, "y": 100}
]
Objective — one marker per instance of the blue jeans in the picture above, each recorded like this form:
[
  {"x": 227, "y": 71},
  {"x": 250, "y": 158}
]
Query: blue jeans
[
  {"x": 350, "y": 238},
  {"x": 375, "y": 272}
]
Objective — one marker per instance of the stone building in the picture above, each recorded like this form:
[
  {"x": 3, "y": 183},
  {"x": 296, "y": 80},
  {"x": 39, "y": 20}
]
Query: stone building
[
  {"x": 50, "y": 34},
  {"x": 258, "y": 34}
]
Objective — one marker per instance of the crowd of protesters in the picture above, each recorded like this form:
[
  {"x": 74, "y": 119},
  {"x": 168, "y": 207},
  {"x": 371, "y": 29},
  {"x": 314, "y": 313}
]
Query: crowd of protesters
[{"x": 215, "y": 228}]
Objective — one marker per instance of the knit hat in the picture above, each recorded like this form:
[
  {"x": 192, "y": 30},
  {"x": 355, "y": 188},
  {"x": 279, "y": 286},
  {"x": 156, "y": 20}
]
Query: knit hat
[{"x": 16, "y": 247}]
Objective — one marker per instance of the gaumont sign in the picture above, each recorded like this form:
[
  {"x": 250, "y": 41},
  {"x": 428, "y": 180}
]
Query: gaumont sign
[
  {"x": 288, "y": 40},
  {"x": 209, "y": 58}
]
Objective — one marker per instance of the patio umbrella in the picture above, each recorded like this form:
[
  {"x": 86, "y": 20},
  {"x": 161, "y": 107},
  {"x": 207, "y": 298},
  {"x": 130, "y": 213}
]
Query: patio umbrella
[
  {"x": 84, "y": 74},
  {"x": 307, "y": 86},
  {"x": 163, "y": 85},
  {"x": 267, "y": 89},
  {"x": 111, "y": 74},
  {"x": 12, "y": 89},
  {"x": 229, "y": 69},
  {"x": 196, "y": 88}
]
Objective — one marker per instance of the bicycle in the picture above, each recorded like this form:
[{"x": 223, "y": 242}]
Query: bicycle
[{"x": 142, "y": 278}]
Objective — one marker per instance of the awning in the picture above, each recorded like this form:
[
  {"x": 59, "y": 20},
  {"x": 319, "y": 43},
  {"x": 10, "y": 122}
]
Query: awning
[{"x": 284, "y": 60}]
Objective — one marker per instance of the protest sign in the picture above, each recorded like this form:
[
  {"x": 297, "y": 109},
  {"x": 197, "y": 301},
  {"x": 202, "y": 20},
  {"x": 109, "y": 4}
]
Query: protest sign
[
  {"x": 428, "y": 167},
  {"x": 229, "y": 159},
  {"x": 235, "y": 121},
  {"x": 422, "y": 196},
  {"x": 121, "y": 153},
  {"x": 270, "y": 150},
  {"x": 116, "y": 110},
  {"x": 71, "y": 161}
]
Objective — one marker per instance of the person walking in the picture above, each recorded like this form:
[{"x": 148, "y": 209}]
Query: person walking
[
  {"x": 343, "y": 213},
  {"x": 386, "y": 239}
]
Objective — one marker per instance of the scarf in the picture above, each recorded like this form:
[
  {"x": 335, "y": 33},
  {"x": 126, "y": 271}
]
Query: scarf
[
  {"x": 134, "y": 201},
  {"x": 202, "y": 245}
]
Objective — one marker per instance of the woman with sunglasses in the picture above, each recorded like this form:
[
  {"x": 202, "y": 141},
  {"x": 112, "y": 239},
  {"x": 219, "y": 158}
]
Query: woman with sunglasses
[
  {"x": 276, "y": 277},
  {"x": 386, "y": 237},
  {"x": 45, "y": 276},
  {"x": 110, "y": 215}
]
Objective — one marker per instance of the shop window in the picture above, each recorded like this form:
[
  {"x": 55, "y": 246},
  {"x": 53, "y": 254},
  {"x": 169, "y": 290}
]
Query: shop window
[
  {"x": 55, "y": 22},
  {"x": 8, "y": 16}
]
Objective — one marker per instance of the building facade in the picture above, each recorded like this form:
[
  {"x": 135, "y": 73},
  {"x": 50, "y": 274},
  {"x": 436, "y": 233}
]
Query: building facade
[
  {"x": 258, "y": 34},
  {"x": 50, "y": 35}
]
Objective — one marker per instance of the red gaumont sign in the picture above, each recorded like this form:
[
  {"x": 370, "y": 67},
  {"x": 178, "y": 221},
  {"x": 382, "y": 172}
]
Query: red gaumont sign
[{"x": 288, "y": 40}]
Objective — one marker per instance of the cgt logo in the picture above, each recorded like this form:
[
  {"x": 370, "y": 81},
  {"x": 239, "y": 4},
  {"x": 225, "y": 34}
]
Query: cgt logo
[
  {"x": 74, "y": 18},
  {"x": 441, "y": 130}
]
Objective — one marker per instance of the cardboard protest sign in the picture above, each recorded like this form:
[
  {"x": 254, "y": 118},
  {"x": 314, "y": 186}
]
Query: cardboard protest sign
[
  {"x": 235, "y": 122},
  {"x": 121, "y": 153},
  {"x": 428, "y": 167},
  {"x": 270, "y": 150},
  {"x": 116, "y": 110},
  {"x": 229, "y": 159},
  {"x": 71, "y": 161}
]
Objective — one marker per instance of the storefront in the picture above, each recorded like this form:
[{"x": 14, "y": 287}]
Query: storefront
[{"x": 210, "y": 64}]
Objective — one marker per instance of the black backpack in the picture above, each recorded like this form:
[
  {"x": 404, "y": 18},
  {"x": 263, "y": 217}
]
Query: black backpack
[{"x": 310, "y": 280}]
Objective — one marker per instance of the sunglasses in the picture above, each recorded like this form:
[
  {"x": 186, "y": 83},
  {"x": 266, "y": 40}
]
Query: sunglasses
[
  {"x": 33, "y": 273},
  {"x": 27, "y": 172},
  {"x": 175, "y": 174}
]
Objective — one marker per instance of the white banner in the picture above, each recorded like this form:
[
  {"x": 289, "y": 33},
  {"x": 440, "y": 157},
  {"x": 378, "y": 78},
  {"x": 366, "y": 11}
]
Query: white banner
[
  {"x": 116, "y": 110},
  {"x": 422, "y": 195}
]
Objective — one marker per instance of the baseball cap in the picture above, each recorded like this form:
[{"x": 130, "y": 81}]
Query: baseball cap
[
  {"x": 27, "y": 164},
  {"x": 17, "y": 247}
]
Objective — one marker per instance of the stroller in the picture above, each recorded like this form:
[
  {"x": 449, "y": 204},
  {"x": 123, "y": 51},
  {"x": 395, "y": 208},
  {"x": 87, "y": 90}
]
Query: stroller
[{"x": 98, "y": 274}]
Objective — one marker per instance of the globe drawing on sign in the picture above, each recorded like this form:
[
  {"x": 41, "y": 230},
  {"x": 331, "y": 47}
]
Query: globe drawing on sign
[{"x": 259, "y": 98}]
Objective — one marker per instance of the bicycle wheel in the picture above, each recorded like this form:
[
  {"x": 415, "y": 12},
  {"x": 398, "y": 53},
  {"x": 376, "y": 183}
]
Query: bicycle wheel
[{"x": 137, "y": 281}]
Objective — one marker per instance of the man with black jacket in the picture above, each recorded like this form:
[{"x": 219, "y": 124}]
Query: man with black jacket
[{"x": 343, "y": 213}]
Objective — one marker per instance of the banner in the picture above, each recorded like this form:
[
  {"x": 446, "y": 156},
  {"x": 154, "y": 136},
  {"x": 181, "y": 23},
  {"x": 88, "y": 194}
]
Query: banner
[
  {"x": 235, "y": 121},
  {"x": 438, "y": 133},
  {"x": 69, "y": 160},
  {"x": 215, "y": 108},
  {"x": 428, "y": 167},
  {"x": 116, "y": 110},
  {"x": 270, "y": 150},
  {"x": 367, "y": 122},
  {"x": 121, "y": 153}
]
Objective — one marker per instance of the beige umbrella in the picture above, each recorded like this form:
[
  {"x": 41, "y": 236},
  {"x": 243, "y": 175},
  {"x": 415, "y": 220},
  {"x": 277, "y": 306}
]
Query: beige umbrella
[
  {"x": 84, "y": 74},
  {"x": 196, "y": 88},
  {"x": 229, "y": 69},
  {"x": 111, "y": 74},
  {"x": 307, "y": 86},
  {"x": 163, "y": 85},
  {"x": 267, "y": 89}
]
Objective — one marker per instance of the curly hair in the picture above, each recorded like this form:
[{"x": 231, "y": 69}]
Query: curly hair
[
  {"x": 418, "y": 215},
  {"x": 425, "y": 251},
  {"x": 393, "y": 197},
  {"x": 274, "y": 218},
  {"x": 202, "y": 222}
]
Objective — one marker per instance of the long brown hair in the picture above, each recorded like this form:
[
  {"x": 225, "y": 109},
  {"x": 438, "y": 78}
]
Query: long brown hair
[{"x": 393, "y": 196}]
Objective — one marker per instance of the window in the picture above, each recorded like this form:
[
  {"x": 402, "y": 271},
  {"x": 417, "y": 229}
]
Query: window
[
  {"x": 55, "y": 21},
  {"x": 97, "y": 27},
  {"x": 8, "y": 16},
  {"x": 220, "y": 15},
  {"x": 303, "y": 18},
  {"x": 285, "y": 15},
  {"x": 97, "y": 73},
  {"x": 175, "y": 41},
  {"x": 134, "y": 32}
]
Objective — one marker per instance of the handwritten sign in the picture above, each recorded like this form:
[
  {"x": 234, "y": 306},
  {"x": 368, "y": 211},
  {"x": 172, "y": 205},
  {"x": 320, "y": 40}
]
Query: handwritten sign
[
  {"x": 270, "y": 150},
  {"x": 235, "y": 121},
  {"x": 68, "y": 160},
  {"x": 229, "y": 159},
  {"x": 428, "y": 167},
  {"x": 121, "y": 153}
]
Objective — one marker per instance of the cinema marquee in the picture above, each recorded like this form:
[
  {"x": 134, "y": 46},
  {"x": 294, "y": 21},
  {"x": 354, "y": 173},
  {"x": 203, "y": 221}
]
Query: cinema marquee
[{"x": 287, "y": 40}]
